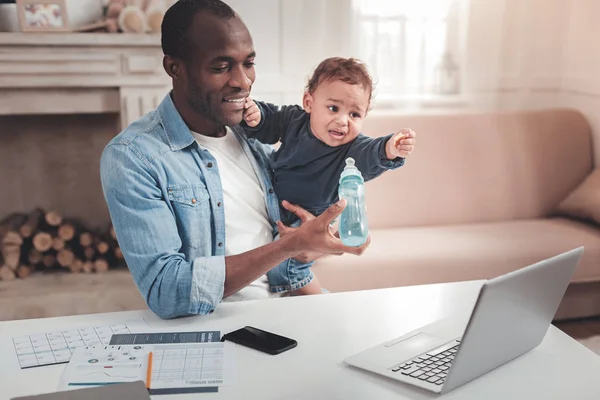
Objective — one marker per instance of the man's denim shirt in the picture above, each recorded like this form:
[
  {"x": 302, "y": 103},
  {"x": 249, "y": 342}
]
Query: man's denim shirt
[{"x": 165, "y": 199}]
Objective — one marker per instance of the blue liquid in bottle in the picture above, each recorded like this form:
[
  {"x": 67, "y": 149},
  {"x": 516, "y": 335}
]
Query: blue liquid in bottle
[{"x": 353, "y": 225}]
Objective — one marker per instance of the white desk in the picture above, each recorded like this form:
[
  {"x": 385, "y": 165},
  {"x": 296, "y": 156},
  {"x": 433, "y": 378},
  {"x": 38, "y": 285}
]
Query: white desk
[{"x": 328, "y": 329}]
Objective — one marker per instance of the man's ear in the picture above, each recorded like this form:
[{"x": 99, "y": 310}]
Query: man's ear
[
  {"x": 307, "y": 102},
  {"x": 173, "y": 67}
]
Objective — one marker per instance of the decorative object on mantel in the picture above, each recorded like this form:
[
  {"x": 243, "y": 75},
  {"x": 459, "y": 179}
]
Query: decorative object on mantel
[
  {"x": 447, "y": 76},
  {"x": 46, "y": 241},
  {"x": 136, "y": 16},
  {"x": 51, "y": 16},
  {"x": 43, "y": 15},
  {"x": 129, "y": 16},
  {"x": 9, "y": 21}
]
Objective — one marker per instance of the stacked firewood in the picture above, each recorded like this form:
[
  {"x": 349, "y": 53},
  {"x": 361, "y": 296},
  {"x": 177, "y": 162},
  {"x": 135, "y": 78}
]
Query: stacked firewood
[{"x": 44, "y": 240}]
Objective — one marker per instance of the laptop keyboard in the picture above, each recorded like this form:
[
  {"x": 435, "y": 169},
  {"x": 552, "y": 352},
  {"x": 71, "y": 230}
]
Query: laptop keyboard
[{"x": 432, "y": 366}]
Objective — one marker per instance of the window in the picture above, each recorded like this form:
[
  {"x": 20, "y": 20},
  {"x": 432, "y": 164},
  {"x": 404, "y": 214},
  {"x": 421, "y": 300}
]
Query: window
[{"x": 403, "y": 41}]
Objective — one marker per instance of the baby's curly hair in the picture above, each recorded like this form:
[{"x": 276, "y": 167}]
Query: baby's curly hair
[{"x": 348, "y": 70}]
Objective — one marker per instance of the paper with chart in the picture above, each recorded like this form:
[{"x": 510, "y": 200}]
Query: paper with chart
[
  {"x": 165, "y": 337},
  {"x": 165, "y": 368},
  {"x": 57, "y": 347}
]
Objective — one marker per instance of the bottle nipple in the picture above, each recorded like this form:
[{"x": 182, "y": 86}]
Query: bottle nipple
[{"x": 350, "y": 169}]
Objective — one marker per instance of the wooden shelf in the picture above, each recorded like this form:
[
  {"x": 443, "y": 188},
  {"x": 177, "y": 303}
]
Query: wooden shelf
[
  {"x": 74, "y": 73},
  {"x": 79, "y": 39}
]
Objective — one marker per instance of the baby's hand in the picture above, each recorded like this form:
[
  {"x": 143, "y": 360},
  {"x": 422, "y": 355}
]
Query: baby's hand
[
  {"x": 251, "y": 113},
  {"x": 401, "y": 144}
]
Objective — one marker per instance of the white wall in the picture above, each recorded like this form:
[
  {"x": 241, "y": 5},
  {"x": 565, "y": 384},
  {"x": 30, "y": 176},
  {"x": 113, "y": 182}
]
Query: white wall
[
  {"x": 535, "y": 54},
  {"x": 518, "y": 53},
  {"x": 291, "y": 37},
  {"x": 580, "y": 85},
  {"x": 510, "y": 46},
  {"x": 514, "y": 52}
]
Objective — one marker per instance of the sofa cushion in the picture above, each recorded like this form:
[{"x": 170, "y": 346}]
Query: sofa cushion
[
  {"x": 486, "y": 167},
  {"x": 584, "y": 202},
  {"x": 423, "y": 255}
]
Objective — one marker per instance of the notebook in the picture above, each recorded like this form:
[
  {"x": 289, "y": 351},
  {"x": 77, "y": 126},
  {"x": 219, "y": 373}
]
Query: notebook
[
  {"x": 164, "y": 368},
  {"x": 130, "y": 391}
]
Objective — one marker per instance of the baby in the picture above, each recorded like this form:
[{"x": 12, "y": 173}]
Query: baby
[{"x": 315, "y": 142}]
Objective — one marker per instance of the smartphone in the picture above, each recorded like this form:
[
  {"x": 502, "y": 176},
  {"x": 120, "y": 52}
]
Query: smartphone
[{"x": 260, "y": 340}]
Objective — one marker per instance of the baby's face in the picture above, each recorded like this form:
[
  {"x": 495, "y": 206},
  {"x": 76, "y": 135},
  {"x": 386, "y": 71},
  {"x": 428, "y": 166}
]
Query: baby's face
[{"x": 337, "y": 111}]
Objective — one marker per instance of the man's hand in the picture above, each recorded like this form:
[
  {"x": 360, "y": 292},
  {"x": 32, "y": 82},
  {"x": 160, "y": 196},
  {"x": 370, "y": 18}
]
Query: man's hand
[
  {"x": 304, "y": 216},
  {"x": 401, "y": 144},
  {"x": 251, "y": 113},
  {"x": 315, "y": 235}
]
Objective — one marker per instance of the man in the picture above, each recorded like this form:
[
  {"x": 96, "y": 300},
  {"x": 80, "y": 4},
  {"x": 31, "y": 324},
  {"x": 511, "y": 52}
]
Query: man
[{"x": 190, "y": 198}]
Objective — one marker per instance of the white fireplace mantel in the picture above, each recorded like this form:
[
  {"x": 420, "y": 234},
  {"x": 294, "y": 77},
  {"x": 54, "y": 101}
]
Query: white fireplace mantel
[{"x": 74, "y": 73}]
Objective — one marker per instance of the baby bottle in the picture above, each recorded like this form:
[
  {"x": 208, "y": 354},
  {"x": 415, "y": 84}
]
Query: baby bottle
[{"x": 353, "y": 225}]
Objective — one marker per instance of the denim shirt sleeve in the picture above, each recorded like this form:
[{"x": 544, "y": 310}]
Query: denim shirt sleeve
[
  {"x": 148, "y": 236},
  {"x": 371, "y": 159}
]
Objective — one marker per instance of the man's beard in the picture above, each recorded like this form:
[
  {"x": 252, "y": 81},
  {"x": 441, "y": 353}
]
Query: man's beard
[{"x": 200, "y": 102}]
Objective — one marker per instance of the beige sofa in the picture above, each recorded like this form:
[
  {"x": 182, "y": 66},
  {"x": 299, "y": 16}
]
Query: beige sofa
[{"x": 476, "y": 199}]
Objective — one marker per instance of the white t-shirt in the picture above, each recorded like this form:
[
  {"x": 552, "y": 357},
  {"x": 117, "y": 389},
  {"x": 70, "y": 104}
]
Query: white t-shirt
[{"x": 246, "y": 221}]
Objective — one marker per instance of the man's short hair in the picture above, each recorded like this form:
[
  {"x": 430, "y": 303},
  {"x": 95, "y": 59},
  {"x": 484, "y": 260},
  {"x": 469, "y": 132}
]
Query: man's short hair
[
  {"x": 348, "y": 70},
  {"x": 178, "y": 19}
]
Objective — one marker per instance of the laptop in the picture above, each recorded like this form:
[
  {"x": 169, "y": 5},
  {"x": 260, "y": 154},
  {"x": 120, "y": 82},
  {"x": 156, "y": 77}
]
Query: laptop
[{"x": 510, "y": 317}]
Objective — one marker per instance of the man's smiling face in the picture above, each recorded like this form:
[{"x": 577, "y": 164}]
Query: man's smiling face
[{"x": 220, "y": 72}]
